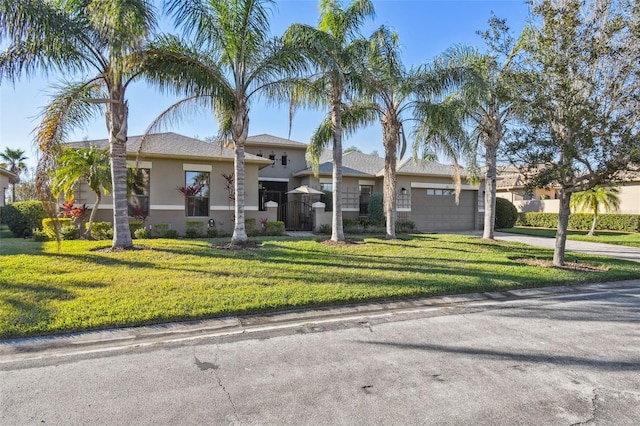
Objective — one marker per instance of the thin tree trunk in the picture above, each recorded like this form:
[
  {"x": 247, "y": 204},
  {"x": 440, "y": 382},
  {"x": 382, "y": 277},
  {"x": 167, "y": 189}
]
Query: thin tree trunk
[
  {"x": 240, "y": 130},
  {"x": 390, "y": 136},
  {"x": 337, "y": 232},
  {"x": 490, "y": 192},
  {"x": 592, "y": 231},
  {"x": 117, "y": 121},
  {"x": 563, "y": 223},
  {"x": 93, "y": 214}
]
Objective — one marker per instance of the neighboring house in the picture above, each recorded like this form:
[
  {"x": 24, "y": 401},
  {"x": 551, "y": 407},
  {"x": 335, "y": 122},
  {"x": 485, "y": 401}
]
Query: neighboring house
[
  {"x": 511, "y": 186},
  {"x": 6, "y": 177},
  {"x": 274, "y": 168}
]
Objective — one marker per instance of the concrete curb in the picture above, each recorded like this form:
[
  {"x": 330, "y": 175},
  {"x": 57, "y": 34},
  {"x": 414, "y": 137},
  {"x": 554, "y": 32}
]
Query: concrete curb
[{"x": 348, "y": 315}]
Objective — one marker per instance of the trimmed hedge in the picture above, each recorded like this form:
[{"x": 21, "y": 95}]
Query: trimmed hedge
[
  {"x": 580, "y": 221},
  {"x": 23, "y": 217},
  {"x": 49, "y": 228}
]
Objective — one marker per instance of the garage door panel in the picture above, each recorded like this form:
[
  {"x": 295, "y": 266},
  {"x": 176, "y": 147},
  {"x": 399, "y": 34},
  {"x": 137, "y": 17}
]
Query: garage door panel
[{"x": 440, "y": 212}]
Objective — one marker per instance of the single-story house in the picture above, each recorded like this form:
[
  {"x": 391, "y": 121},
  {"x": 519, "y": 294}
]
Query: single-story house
[
  {"x": 169, "y": 162},
  {"x": 511, "y": 186},
  {"x": 275, "y": 167},
  {"x": 6, "y": 179}
]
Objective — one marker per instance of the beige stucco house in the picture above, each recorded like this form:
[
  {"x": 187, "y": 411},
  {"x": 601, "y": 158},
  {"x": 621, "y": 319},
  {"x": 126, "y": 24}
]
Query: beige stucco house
[
  {"x": 5, "y": 183},
  {"x": 511, "y": 186},
  {"x": 275, "y": 167}
]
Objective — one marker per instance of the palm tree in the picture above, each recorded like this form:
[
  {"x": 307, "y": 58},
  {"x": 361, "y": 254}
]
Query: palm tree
[
  {"x": 90, "y": 165},
  {"x": 334, "y": 47},
  {"x": 390, "y": 95},
  {"x": 230, "y": 60},
  {"x": 13, "y": 160},
  {"x": 80, "y": 37},
  {"x": 485, "y": 102},
  {"x": 601, "y": 197}
]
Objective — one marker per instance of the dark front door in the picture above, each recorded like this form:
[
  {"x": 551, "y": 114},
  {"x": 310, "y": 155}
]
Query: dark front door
[
  {"x": 297, "y": 215},
  {"x": 273, "y": 191}
]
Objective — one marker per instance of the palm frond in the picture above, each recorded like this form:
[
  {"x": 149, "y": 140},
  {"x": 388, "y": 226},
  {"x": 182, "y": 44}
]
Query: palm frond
[{"x": 69, "y": 108}]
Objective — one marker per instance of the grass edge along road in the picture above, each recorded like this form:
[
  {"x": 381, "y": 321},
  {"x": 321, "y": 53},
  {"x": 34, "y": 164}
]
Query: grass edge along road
[
  {"x": 629, "y": 239},
  {"x": 44, "y": 290}
]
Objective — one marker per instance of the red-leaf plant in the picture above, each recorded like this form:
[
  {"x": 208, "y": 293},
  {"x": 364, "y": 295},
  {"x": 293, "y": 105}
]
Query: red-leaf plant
[{"x": 190, "y": 190}]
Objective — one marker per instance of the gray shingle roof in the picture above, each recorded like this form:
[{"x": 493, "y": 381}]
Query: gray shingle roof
[
  {"x": 423, "y": 167},
  {"x": 265, "y": 139},
  {"x": 173, "y": 145},
  {"x": 7, "y": 173}
]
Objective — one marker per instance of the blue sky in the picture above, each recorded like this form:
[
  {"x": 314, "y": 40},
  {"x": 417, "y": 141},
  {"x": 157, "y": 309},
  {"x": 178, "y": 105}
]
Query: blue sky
[{"x": 426, "y": 28}]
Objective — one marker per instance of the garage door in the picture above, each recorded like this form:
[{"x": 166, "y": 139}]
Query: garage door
[{"x": 436, "y": 210}]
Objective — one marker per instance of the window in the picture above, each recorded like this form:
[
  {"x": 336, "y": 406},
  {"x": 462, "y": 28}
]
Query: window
[
  {"x": 365, "y": 195},
  {"x": 197, "y": 193},
  {"x": 441, "y": 192},
  {"x": 284, "y": 159},
  {"x": 139, "y": 192}
]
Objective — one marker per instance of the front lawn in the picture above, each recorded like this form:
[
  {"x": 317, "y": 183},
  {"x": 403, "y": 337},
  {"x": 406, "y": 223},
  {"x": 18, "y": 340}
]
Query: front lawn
[
  {"x": 44, "y": 290},
  {"x": 606, "y": 237}
]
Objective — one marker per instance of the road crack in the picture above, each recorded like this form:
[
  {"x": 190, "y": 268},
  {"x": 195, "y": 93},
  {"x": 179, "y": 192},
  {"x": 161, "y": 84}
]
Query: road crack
[
  {"x": 213, "y": 366},
  {"x": 594, "y": 410}
]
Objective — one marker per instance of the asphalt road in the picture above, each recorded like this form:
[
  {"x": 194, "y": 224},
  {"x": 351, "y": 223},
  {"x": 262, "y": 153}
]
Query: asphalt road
[{"x": 556, "y": 358}]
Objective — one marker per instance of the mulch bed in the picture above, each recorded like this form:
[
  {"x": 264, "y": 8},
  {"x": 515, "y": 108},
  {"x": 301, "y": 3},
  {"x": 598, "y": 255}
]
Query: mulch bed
[
  {"x": 570, "y": 266},
  {"x": 120, "y": 249},
  {"x": 340, "y": 243}
]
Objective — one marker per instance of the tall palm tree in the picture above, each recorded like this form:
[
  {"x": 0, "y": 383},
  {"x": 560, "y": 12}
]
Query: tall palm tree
[
  {"x": 485, "y": 101},
  {"x": 335, "y": 47},
  {"x": 13, "y": 160},
  {"x": 230, "y": 60},
  {"x": 80, "y": 37},
  {"x": 601, "y": 197},
  {"x": 89, "y": 165}
]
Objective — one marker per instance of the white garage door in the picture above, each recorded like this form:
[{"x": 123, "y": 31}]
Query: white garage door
[{"x": 436, "y": 210}]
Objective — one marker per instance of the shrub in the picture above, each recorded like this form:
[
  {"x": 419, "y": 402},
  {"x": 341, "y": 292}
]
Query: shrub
[
  {"x": 170, "y": 233},
  {"x": 376, "y": 209},
  {"x": 134, "y": 225},
  {"x": 69, "y": 232},
  {"x": 49, "y": 227},
  {"x": 324, "y": 229},
  {"x": 159, "y": 229},
  {"x": 194, "y": 228},
  {"x": 249, "y": 224},
  {"x": 274, "y": 228},
  {"x": 606, "y": 222},
  {"x": 40, "y": 236},
  {"x": 2, "y": 214},
  {"x": 142, "y": 233},
  {"x": 23, "y": 217},
  {"x": 506, "y": 213},
  {"x": 101, "y": 230},
  {"x": 405, "y": 226},
  {"x": 212, "y": 233}
]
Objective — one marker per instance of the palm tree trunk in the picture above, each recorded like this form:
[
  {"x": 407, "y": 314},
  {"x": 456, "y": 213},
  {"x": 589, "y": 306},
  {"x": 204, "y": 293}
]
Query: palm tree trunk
[
  {"x": 490, "y": 192},
  {"x": 240, "y": 130},
  {"x": 592, "y": 231},
  {"x": 93, "y": 213},
  {"x": 563, "y": 223},
  {"x": 337, "y": 232},
  {"x": 117, "y": 121},
  {"x": 391, "y": 134}
]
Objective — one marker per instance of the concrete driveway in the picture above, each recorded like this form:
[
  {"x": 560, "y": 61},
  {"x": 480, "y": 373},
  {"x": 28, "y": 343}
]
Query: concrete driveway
[{"x": 619, "y": 252}]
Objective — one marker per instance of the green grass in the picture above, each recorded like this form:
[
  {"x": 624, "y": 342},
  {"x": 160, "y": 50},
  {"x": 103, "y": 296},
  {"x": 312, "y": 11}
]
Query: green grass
[
  {"x": 44, "y": 290},
  {"x": 606, "y": 237}
]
